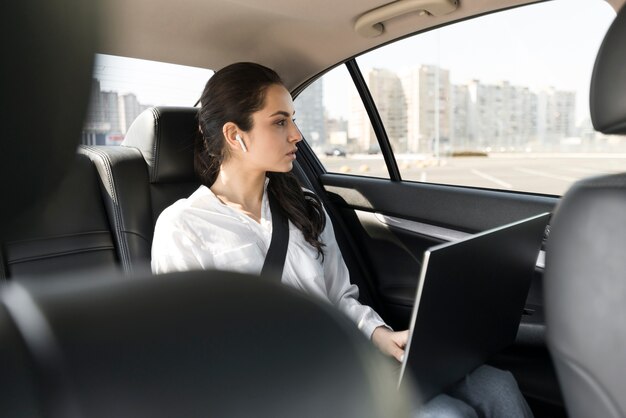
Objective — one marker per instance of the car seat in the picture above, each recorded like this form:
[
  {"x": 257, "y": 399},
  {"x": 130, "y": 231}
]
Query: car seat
[{"x": 585, "y": 276}]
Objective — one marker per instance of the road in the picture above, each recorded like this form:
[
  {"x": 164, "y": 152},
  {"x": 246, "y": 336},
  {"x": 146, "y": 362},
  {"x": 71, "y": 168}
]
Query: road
[{"x": 537, "y": 173}]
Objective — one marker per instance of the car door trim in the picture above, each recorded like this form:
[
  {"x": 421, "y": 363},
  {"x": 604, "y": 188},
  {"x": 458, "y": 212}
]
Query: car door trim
[
  {"x": 422, "y": 228},
  {"x": 436, "y": 232}
]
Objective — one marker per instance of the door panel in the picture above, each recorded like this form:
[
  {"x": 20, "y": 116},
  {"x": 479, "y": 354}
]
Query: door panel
[{"x": 392, "y": 223}]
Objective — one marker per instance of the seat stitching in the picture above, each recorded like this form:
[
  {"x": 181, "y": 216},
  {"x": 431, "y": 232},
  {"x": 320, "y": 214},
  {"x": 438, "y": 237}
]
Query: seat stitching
[
  {"x": 59, "y": 236},
  {"x": 60, "y": 253},
  {"x": 155, "y": 154},
  {"x": 117, "y": 217}
]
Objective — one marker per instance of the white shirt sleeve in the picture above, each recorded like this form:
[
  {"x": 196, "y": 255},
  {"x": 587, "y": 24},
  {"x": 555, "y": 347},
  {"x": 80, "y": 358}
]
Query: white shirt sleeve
[
  {"x": 176, "y": 248},
  {"x": 341, "y": 292}
]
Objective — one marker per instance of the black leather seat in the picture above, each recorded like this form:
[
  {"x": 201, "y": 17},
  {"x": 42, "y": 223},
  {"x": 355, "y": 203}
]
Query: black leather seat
[
  {"x": 40, "y": 123},
  {"x": 165, "y": 137},
  {"x": 67, "y": 232},
  {"x": 194, "y": 344},
  {"x": 151, "y": 170},
  {"x": 585, "y": 276}
]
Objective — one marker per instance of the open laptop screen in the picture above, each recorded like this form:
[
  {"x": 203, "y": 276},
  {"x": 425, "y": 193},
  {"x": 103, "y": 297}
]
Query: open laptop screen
[{"x": 469, "y": 302}]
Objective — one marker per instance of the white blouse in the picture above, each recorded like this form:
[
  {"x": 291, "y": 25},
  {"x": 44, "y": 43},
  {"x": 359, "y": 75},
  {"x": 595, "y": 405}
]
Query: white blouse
[{"x": 201, "y": 232}]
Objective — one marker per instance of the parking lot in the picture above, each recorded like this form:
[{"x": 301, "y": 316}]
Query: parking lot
[{"x": 538, "y": 173}]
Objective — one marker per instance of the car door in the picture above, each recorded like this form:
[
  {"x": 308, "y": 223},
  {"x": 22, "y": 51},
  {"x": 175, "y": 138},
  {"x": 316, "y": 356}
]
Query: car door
[{"x": 451, "y": 132}]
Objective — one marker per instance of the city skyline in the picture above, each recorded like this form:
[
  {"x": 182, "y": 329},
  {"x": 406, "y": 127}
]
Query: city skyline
[
  {"x": 559, "y": 52},
  {"x": 473, "y": 116},
  {"x": 109, "y": 115}
]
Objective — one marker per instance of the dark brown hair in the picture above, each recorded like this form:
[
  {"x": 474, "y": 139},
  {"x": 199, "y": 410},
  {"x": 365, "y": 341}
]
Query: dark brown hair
[{"x": 233, "y": 94}]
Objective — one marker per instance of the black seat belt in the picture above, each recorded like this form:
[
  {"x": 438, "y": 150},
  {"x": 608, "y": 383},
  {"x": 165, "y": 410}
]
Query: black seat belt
[{"x": 277, "y": 252}]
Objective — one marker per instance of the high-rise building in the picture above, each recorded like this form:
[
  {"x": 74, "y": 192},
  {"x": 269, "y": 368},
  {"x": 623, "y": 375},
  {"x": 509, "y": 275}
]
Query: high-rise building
[
  {"x": 388, "y": 94},
  {"x": 110, "y": 109},
  {"x": 435, "y": 107},
  {"x": 557, "y": 112},
  {"x": 411, "y": 85},
  {"x": 310, "y": 114},
  {"x": 360, "y": 133},
  {"x": 130, "y": 108},
  {"x": 109, "y": 116},
  {"x": 97, "y": 125},
  {"x": 425, "y": 124},
  {"x": 461, "y": 134},
  {"x": 526, "y": 116},
  {"x": 502, "y": 116}
]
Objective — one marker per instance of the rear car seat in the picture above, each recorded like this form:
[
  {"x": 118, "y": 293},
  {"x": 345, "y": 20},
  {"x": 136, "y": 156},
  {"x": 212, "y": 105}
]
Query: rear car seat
[
  {"x": 152, "y": 169},
  {"x": 67, "y": 232}
]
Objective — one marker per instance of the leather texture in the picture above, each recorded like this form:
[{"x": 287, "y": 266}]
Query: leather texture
[
  {"x": 165, "y": 136},
  {"x": 69, "y": 231},
  {"x": 19, "y": 397},
  {"x": 177, "y": 346},
  {"x": 124, "y": 182},
  {"x": 608, "y": 83},
  {"x": 585, "y": 290},
  {"x": 151, "y": 170}
]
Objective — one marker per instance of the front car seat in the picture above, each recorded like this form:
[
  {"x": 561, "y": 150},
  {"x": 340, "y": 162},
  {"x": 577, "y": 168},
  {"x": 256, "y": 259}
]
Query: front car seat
[
  {"x": 585, "y": 276},
  {"x": 194, "y": 344}
]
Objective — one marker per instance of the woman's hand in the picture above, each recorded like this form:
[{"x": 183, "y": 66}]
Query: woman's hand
[{"x": 389, "y": 342}]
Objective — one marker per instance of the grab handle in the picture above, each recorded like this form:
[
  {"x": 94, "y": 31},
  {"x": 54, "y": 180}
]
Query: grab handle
[{"x": 370, "y": 24}]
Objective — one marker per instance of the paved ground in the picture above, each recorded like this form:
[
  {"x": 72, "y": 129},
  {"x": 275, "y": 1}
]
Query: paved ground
[{"x": 537, "y": 173}]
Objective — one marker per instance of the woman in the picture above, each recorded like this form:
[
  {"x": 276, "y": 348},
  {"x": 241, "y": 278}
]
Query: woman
[{"x": 246, "y": 148}]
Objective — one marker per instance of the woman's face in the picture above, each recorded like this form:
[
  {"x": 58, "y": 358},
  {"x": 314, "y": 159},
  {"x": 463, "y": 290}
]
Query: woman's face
[{"x": 271, "y": 142}]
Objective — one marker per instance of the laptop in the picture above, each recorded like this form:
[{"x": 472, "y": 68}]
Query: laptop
[{"x": 470, "y": 298}]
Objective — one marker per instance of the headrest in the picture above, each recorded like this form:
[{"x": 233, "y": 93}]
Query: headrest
[
  {"x": 165, "y": 136},
  {"x": 193, "y": 344},
  {"x": 607, "y": 95},
  {"x": 45, "y": 89}
]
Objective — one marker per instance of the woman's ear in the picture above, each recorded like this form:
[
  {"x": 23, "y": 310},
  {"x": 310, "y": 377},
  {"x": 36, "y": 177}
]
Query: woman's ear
[{"x": 233, "y": 137}]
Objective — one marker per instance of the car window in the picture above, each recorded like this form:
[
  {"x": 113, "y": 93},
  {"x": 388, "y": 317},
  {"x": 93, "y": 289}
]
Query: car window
[
  {"x": 123, "y": 87},
  {"x": 500, "y": 101},
  {"x": 511, "y": 110},
  {"x": 333, "y": 120}
]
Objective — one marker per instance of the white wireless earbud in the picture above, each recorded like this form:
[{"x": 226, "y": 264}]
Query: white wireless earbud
[{"x": 243, "y": 146}]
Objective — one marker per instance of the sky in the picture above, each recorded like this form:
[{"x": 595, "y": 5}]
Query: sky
[
  {"x": 154, "y": 83},
  {"x": 548, "y": 44}
]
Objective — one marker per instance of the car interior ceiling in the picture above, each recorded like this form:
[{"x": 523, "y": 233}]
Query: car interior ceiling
[
  {"x": 324, "y": 48},
  {"x": 92, "y": 213},
  {"x": 94, "y": 343}
]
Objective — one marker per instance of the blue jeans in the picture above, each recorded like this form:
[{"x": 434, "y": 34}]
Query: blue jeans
[{"x": 487, "y": 392}]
